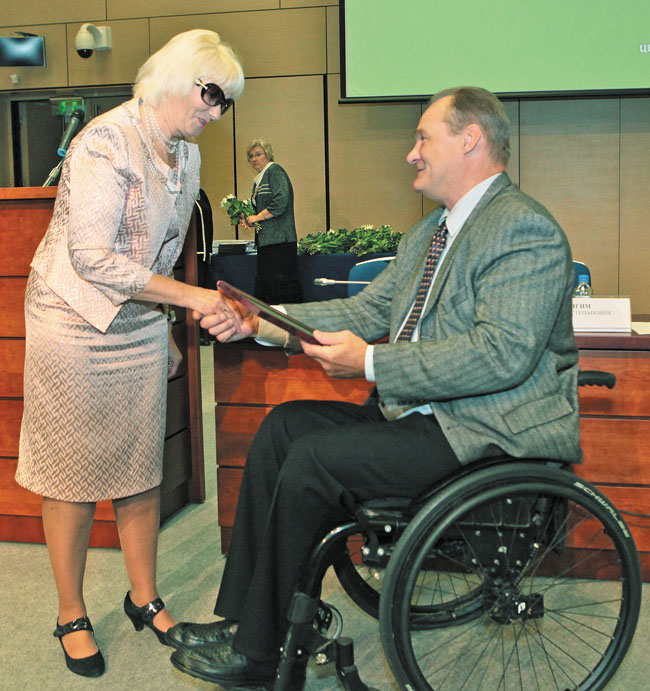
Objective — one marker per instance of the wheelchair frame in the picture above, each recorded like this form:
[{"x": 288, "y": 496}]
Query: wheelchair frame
[{"x": 527, "y": 567}]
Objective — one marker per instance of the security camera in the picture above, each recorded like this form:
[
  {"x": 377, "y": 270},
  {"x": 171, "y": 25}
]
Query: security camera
[
  {"x": 84, "y": 42},
  {"x": 91, "y": 38}
]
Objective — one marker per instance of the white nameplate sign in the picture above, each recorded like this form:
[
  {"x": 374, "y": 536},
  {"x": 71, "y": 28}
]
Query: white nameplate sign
[{"x": 602, "y": 314}]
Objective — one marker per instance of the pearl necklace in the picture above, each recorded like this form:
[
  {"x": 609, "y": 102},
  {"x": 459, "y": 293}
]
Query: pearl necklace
[
  {"x": 176, "y": 186},
  {"x": 155, "y": 131}
]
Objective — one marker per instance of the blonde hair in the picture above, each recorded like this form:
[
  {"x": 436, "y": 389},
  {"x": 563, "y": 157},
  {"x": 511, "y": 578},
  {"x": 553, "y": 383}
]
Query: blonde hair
[
  {"x": 170, "y": 72},
  {"x": 263, "y": 144}
]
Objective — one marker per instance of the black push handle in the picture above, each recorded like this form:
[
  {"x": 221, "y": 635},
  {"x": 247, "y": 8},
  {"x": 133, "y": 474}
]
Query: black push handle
[{"x": 595, "y": 378}]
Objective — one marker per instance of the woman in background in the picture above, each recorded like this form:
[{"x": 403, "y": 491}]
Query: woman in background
[
  {"x": 99, "y": 347},
  {"x": 272, "y": 197}
]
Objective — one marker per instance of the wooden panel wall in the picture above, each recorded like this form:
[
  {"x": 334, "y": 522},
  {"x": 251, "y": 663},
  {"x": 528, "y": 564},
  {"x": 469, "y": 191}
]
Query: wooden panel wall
[
  {"x": 288, "y": 42},
  {"x": 634, "y": 259},
  {"x": 569, "y": 161},
  {"x": 370, "y": 180},
  {"x": 161, "y": 8},
  {"x": 284, "y": 4},
  {"x": 55, "y": 73},
  {"x": 333, "y": 42},
  {"x": 585, "y": 159},
  {"x": 52, "y": 11},
  {"x": 513, "y": 169}
]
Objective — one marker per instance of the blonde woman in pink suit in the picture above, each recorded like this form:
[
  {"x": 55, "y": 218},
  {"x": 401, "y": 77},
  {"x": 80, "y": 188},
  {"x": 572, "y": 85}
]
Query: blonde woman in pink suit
[{"x": 99, "y": 348}]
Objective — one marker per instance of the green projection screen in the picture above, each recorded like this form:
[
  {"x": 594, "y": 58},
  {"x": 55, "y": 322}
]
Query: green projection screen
[{"x": 409, "y": 49}]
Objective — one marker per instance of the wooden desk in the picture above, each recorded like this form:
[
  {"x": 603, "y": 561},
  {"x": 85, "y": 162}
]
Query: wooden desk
[
  {"x": 615, "y": 428},
  {"x": 615, "y": 424},
  {"x": 249, "y": 380},
  {"x": 24, "y": 215}
]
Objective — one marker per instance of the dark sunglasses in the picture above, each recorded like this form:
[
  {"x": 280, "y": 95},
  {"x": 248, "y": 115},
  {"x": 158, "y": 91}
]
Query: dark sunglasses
[{"x": 212, "y": 95}]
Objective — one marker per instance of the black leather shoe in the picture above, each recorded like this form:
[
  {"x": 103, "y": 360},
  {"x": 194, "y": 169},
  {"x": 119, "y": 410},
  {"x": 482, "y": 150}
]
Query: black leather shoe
[
  {"x": 220, "y": 664},
  {"x": 143, "y": 616},
  {"x": 191, "y": 635},
  {"x": 91, "y": 666}
]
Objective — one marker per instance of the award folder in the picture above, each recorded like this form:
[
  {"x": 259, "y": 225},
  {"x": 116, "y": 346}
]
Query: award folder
[{"x": 284, "y": 321}]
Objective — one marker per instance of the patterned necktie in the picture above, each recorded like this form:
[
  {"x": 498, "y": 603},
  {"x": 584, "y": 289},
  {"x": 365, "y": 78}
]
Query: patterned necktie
[{"x": 438, "y": 242}]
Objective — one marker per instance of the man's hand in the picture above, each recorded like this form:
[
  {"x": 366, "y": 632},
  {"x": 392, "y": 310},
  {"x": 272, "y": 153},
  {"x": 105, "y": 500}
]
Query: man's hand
[
  {"x": 342, "y": 354},
  {"x": 232, "y": 323}
]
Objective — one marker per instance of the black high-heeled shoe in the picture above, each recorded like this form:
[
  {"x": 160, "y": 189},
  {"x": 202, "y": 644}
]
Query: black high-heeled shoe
[
  {"x": 143, "y": 616},
  {"x": 91, "y": 666}
]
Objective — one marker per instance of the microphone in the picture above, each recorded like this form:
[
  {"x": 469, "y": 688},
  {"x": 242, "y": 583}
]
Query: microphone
[
  {"x": 76, "y": 119},
  {"x": 331, "y": 282}
]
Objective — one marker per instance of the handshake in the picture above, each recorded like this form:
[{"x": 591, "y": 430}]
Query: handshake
[
  {"x": 341, "y": 354},
  {"x": 224, "y": 318}
]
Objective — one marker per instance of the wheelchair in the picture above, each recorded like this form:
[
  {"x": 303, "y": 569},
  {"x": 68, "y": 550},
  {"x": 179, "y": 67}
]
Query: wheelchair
[{"x": 513, "y": 574}]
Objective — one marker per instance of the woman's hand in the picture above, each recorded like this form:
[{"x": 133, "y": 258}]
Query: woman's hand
[
  {"x": 208, "y": 301},
  {"x": 245, "y": 222},
  {"x": 174, "y": 356},
  {"x": 232, "y": 323}
]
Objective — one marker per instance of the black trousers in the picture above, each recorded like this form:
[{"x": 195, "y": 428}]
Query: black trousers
[
  {"x": 277, "y": 279},
  {"x": 308, "y": 464}
]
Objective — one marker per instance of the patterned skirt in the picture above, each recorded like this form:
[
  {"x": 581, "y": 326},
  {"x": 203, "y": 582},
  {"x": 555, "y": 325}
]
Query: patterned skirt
[{"x": 94, "y": 419}]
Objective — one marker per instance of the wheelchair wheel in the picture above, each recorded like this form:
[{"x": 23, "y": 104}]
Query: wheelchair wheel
[
  {"x": 460, "y": 595},
  {"x": 362, "y": 565},
  {"x": 542, "y": 574}
]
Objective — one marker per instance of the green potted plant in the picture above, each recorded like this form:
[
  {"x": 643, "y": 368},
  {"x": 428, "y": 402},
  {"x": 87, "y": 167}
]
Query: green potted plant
[
  {"x": 360, "y": 242},
  {"x": 331, "y": 254}
]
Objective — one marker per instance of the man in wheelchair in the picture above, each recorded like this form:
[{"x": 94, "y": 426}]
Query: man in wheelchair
[{"x": 480, "y": 361}]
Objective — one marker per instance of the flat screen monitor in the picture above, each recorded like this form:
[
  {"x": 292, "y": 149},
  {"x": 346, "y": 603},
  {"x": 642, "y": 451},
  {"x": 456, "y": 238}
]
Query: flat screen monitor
[
  {"x": 23, "y": 51},
  {"x": 409, "y": 49}
]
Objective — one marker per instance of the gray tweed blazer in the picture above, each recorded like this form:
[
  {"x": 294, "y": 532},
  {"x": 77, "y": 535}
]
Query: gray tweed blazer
[{"x": 496, "y": 359}]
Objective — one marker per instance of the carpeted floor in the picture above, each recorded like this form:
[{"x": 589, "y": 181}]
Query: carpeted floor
[{"x": 190, "y": 566}]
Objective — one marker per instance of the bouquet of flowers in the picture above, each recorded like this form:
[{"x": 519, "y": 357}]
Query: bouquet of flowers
[{"x": 235, "y": 208}]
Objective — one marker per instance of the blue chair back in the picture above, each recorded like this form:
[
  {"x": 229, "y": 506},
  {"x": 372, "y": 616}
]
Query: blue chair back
[
  {"x": 365, "y": 271},
  {"x": 580, "y": 269}
]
